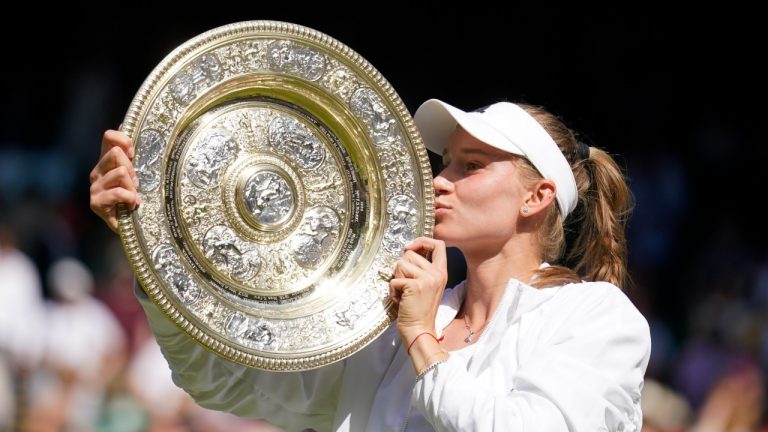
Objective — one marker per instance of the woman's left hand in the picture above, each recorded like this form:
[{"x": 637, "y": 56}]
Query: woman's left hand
[{"x": 418, "y": 286}]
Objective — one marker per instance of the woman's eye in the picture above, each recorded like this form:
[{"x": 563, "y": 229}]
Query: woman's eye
[{"x": 471, "y": 166}]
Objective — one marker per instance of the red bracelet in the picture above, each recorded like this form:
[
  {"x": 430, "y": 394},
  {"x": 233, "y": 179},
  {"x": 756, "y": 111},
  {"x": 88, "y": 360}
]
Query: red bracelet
[{"x": 420, "y": 335}]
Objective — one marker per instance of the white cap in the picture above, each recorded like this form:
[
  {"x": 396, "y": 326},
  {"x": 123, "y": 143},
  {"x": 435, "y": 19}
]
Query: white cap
[{"x": 506, "y": 127}]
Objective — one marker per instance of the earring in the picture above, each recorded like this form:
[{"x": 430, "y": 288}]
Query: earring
[{"x": 525, "y": 209}]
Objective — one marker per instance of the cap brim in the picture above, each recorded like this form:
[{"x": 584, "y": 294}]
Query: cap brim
[{"x": 437, "y": 120}]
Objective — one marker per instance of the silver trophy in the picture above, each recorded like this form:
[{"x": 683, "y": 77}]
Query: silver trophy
[{"x": 280, "y": 177}]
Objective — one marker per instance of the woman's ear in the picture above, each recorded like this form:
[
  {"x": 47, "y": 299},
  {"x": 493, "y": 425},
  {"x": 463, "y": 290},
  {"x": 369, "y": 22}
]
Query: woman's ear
[{"x": 539, "y": 198}]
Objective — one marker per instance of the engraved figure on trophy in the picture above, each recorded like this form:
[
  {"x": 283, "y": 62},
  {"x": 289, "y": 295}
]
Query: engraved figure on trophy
[
  {"x": 183, "y": 88},
  {"x": 316, "y": 237},
  {"x": 392, "y": 157},
  {"x": 348, "y": 317},
  {"x": 222, "y": 246},
  {"x": 249, "y": 128},
  {"x": 194, "y": 213},
  {"x": 403, "y": 217},
  {"x": 287, "y": 57},
  {"x": 207, "y": 70},
  {"x": 261, "y": 334},
  {"x": 368, "y": 106},
  {"x": 296, "y": 141},
  {"x": 327, "y": 187},
  {"x": 165, "y": 259},
  {"x": 268, "y": 198},
  {"x": 151, "y": 143},
  {"x": 187, "y": 83},
  {"x": 240, "y": 326},
  {"x": 215, "y": 150},
  {"x": 168, "y": 266},
  {"x": 342, "y": 82}
]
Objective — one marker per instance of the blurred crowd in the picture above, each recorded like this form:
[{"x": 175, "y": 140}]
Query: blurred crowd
[
  {"x": 79, "y": 356},
  {"x": 76, "y": 353}
]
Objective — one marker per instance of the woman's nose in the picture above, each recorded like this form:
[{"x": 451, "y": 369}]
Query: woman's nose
[{"x": 442, "y": 185}]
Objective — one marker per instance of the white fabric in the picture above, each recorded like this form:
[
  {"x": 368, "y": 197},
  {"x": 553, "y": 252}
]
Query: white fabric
[
  {"x": 568, "y": 358},
  {"x": 416, "y": 421},
  {"x": 22, "y": 313},
  {"x": 21, "y": 325},
  {"x": 149, "y": 377},
  {"x": 81, "y": 335},
  {"x": 507, "y": 127},
  {"x": 70, "y": 280}
]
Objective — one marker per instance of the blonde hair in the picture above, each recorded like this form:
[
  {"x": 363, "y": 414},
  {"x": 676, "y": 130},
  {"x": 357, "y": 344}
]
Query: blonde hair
[{"x": 597, "y": 248}]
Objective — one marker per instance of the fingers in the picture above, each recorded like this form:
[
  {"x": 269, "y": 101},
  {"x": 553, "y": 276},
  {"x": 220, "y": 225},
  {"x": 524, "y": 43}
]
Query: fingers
[
  {"x": 439, "y": 257},
  {"x": 428, "y": 248},
  {"x": 111, "y": 221},
  {"x": 422, "y": 246},
  {"x": 104, "y": 204},
  {"x": 111, "y": 189},
  {"x": 405, "y": 273},
  {"x": 113, "y": 179},
  {"x": 113, "y": 138},
  {"x": 408, "y": 269},
  {"x": 425, "y": 251},
  {"x": 121, "y": 177},
  {"x": 106, "y": 200},
  {"x": 395, "y": 292},
  {"x": 415, "y": 271},
  {"x": 396, "y": 288},
  {"x": 113, "y": 159}
]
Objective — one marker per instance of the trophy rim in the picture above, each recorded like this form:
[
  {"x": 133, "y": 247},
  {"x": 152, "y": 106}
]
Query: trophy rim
[{"x": 128, "y": 222}]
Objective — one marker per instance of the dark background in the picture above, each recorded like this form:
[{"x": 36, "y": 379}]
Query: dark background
[{"x": 677, "y": 96}]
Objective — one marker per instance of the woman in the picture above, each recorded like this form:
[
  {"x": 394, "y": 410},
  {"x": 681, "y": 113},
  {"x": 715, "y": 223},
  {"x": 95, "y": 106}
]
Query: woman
[{"x": 519, "y": 345}]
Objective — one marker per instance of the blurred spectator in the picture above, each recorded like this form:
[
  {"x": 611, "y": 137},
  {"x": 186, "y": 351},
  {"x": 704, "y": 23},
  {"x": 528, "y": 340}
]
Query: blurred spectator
[
  {"x": 169, "y": 408},
  {"x": 663, "y": 408},
  {"x": 115, "y": 289},
  {"x": 21, "y": 325},
  {"x": 735, "y": 404},
  {"x": 149, "y": 381},
  {"x": 84, "y": 352}
]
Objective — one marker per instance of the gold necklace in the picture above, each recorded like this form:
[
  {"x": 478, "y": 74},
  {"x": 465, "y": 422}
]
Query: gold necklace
[{"x": 471, "y": 333}]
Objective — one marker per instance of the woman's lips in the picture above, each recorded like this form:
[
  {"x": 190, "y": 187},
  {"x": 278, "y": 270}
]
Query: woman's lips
[{"x": 441, "y": 209}]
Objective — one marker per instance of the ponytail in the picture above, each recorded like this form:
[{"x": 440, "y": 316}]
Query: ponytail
[
  {"x": 596, "y": 249},
  {"x": 599, "y": 249}
]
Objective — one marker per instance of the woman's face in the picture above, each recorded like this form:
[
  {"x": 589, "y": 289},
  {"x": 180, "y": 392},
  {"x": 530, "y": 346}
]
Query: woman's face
[{"x": 478, "y": 194}]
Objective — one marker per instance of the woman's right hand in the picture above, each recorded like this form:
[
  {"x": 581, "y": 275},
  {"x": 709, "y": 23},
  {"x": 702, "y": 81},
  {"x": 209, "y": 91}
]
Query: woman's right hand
[
  {"x": 113, "y": 179},
  {"x": 418, "y": 285}
]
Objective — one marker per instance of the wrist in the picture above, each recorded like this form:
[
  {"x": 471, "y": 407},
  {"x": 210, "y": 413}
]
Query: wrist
[
  {"x": 408, "y": 334},
  {"x": 431, "y": 363},
  {"x": 426, "y": 335},
  {"x": 423, "y": 347},
  {"x": 423, "y": 358}
]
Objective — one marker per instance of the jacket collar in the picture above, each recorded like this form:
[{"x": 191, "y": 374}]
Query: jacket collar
[
  {"x": 519, "y": 298},
  {"x": 525, "y": 298}
]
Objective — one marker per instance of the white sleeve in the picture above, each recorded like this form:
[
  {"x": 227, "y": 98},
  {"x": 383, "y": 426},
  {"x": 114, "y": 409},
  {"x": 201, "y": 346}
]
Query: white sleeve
[
  {"x": 584, "y": 375},
  {"x": 290, "y": 400}
]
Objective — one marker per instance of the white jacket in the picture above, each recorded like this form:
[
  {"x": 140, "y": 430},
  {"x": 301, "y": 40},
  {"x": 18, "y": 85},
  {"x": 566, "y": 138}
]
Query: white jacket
[{"x": 554, "y": 359}]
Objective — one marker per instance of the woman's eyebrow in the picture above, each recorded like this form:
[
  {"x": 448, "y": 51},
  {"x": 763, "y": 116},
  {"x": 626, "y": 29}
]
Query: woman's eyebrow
[
  {"x": 474, "y": 151},
  {"x": 446, "y": 154}
]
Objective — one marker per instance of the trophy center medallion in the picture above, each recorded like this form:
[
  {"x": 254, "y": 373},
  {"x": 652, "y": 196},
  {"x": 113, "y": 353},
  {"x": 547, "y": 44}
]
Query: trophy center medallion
[{"x": 267, "y": 199}]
